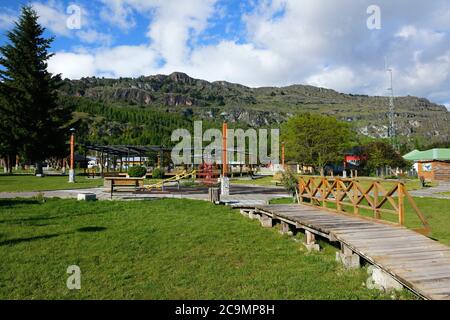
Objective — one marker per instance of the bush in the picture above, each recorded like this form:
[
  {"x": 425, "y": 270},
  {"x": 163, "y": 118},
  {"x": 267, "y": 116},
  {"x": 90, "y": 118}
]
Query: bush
[
  {"x": 158, "y": 173},
  {"x": 290, "y": 182},
  {"x": 137, "y": 172}
]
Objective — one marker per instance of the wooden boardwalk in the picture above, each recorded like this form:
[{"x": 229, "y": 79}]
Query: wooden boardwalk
[{"x": 419, "y": 263}]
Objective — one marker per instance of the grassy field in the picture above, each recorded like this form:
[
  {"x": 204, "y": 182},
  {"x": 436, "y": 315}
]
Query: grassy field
[
  {"x": 162, "y": 249},
  {"x": 265, "y": 181},
  {"x": 21, "y": 183},
  {"x": 18, "y": 183}
]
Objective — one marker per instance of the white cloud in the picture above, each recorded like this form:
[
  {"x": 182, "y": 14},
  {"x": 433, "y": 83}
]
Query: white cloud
[
  {"x": 424, "y": 37},
  {"x": 233, "y": 62},
  {"x": 52, "y": 15},
  {"x": 72, "y": 65},
  {"x": 341, "y": 79},
  {"x": 117, "y": 13},
  {"x": 121, "y": 61},
  {"x": 92, "y": 36},
  {"x": 173, "y": 23}
]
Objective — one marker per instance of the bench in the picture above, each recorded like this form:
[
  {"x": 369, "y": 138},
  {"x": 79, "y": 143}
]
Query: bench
[
  {"x": 123, "y": 184},
  {"x": 114, "y": 174}
]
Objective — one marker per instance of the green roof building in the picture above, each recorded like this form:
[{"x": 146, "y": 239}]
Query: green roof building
[
  {"x": 429, "y": 155},
  {"x": 432, "y": 164}
]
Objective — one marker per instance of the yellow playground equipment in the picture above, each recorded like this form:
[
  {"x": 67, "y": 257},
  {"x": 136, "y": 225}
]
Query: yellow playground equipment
[{"x": 177, "y": 178}]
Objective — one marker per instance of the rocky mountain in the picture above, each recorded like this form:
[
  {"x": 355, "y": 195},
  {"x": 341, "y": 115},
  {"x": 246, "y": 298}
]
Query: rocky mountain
[{"x": 179, "y": 93}]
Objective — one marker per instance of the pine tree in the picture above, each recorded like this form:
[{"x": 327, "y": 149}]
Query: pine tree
[{"x": 33, "y": 120}]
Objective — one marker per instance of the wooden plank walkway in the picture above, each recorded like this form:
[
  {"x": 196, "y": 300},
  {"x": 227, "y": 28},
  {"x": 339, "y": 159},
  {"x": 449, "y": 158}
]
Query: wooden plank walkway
[{"x": 419, "y": 263}]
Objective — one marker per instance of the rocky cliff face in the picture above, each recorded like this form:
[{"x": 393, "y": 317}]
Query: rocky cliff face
[{"x": 416, "y": 117}]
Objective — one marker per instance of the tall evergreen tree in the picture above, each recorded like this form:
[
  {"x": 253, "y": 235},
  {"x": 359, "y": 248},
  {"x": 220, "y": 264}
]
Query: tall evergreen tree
[{"x": 32, "y": 121}]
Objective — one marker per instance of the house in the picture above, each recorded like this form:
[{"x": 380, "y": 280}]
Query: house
[{"x": 432, "y": 164}]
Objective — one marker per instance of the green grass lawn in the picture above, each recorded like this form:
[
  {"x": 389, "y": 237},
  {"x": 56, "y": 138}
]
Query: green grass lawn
[
  {"x": 18, "y": 183},
  {"x": 265, "y": 181},
  {"x": 162, "y": 249},
  {"x": 22, "y": 183},
  {"x": 410, "y": 184}
]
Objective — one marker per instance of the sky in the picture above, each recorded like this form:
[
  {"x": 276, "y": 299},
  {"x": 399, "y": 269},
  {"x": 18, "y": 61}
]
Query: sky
[{"x": 344, "y": 45}]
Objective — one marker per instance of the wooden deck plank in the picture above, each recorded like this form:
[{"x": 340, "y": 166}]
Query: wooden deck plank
[{"x": 416, "y": 261}]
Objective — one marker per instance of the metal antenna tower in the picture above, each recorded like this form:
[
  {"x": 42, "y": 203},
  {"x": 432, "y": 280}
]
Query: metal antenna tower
[{"x": 391, "y": 115}]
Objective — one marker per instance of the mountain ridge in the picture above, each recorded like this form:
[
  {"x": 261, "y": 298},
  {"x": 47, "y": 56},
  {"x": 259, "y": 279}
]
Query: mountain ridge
[{"x": 263, "y": 106}]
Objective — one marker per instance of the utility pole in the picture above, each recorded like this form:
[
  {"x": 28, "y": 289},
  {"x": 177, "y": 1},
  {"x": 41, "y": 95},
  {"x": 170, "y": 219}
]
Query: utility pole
[
  {"x": 72, "y": 156},
  {"x": 391, "y": 115},
  {"x": 224, "y": 181}
]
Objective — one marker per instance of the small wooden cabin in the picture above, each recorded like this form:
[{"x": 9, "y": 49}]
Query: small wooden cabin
[{"x": 432, "y": 165}]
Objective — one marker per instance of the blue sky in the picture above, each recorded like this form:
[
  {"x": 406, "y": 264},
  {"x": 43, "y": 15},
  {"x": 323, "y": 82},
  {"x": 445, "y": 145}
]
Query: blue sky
[{"x": 256, "y": 43}]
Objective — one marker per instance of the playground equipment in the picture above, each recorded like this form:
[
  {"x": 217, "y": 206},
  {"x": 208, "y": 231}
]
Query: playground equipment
[
  {"x": 208, "y": 174},
  {"x": 177, "y": 178}
]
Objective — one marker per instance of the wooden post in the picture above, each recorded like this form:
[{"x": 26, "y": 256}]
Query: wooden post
[
  {"x": 401, "y": 204},
  {"x": 72, "y": 151},
  {"x": 72, "y": 157},
  {"x": 224, "y": 150},
  {"x": 324, "y": 191},
  {"x": 300, "y": 190},
  {"x": 214, "y": 195},
  {"x": 338, "y": 194},
  {"x": 355, "y": 197},
  {"x": 375, "y": 200}
]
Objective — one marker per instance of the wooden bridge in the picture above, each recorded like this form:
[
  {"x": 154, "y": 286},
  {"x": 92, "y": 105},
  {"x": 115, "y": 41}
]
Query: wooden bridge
[{"x": 412, "y": 259}]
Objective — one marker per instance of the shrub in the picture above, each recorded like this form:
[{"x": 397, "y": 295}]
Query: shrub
[
  {"x": 158, "y": 173},
  {"x": 137, "y": 171},
  {"x": 290, "y": 181}
]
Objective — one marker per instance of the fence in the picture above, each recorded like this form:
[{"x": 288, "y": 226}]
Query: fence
[{"x": 351, "y": 196}]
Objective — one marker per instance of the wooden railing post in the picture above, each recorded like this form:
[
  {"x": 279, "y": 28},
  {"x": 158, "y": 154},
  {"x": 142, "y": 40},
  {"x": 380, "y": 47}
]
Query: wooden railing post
[
  {"x": 375, "y": 201},
  {"x": 324, "y": 191},
  {"x": 301, "y": 189},
  {"x": 401, "y": 203},
  {"x": 355, "y": 196},
  {"x": 338, "y": 194}
]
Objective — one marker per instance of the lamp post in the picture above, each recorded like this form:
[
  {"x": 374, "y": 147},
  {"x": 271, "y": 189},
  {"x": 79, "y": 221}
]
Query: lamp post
[
  {"x": 72, "y": 156},
  {"x": 224, "y": 181}
]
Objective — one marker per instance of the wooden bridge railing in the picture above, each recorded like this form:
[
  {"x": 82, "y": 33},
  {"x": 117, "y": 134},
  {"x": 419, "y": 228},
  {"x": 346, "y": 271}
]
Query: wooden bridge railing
[{"x": 350, "y": 193}]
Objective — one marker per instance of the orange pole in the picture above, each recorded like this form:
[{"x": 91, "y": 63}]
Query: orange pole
[
  {"x": 72, "y": 147},
  {"x": 224, "y": 149}
]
